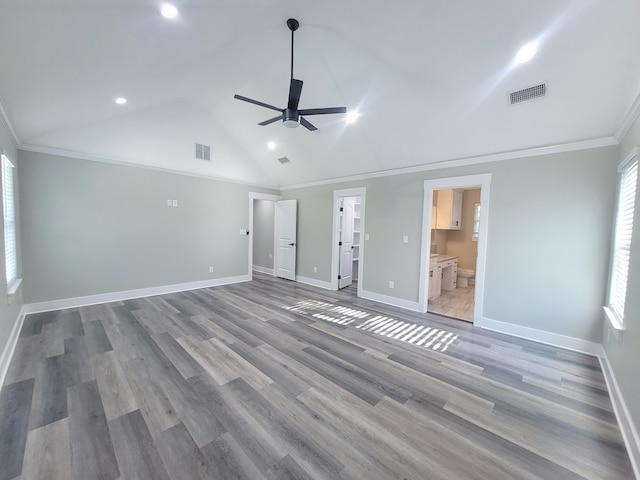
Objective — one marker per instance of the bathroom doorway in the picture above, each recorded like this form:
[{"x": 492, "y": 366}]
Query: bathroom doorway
[
  {"x": 455, "y": 221},
  {"x": 454, "y": 246}
]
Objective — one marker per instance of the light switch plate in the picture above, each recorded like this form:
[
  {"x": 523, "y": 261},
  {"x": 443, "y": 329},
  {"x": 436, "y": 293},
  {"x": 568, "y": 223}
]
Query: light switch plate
[
  {"x": 405, "y": 239},
  {"x": 175, "y": 203}
]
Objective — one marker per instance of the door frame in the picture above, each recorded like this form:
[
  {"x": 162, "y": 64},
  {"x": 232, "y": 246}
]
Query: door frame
[
  {"x": 259, "y": 196},
  {"x": 482, "y": 181},
  {"x": 335, "y": 236}
]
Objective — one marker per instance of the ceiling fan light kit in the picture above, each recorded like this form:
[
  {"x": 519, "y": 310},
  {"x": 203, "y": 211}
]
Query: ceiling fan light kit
[{"x": 291, "y": 116}]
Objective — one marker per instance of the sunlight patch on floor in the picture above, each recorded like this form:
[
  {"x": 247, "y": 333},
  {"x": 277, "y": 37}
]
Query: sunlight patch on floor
[{"x": 413, "y": 333}]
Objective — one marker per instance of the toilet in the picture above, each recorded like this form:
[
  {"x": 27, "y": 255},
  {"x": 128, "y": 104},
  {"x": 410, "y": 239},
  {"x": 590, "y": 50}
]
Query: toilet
[{"x": 465, "y": 277}]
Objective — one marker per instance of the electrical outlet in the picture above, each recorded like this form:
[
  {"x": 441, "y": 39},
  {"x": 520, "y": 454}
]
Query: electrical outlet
[
  {"x": 210, "y": 269},
  {"x": 315, "y": 269},
  {"x": 405, "y": 239},
  {"x": 366, "y": 236},
  {"x": 169, "y": 202},
  {"x": 175, "y": 203},
  {"x": 392, "y": 284}
]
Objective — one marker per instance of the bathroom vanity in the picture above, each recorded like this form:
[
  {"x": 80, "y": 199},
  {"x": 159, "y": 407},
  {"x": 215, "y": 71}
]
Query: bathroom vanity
[{"x": 443, "y": 273}]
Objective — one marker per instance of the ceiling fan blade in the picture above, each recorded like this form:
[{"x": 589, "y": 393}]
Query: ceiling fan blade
[
  {"x": 271, "y": 120},
  {"x": 295, "y": 89},
  {"x": 306, "y": 124},
  {"x": 323, "y": 111},
  {"x": 256, "y": 102}
]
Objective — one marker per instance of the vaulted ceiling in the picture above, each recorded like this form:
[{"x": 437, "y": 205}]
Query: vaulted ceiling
[{"x": 429, "y": 77}]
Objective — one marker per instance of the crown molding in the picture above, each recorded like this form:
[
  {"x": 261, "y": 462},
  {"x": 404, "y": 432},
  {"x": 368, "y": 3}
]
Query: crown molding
[
  {"x": 124, "y": 163},
  {"x": 8, "y": 125},
  {"x": 494, "y": 157},
  {"x": 629, "y": 119}
]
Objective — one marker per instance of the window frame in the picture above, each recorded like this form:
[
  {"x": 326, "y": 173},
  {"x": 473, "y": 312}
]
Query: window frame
[
  {"x": 627, "y": 194},
  {"x": 9, "y": 224}
]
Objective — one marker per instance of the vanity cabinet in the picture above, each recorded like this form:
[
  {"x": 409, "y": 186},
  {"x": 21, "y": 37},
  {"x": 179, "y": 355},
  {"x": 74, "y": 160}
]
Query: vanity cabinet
[
  {"x": 435, "y": 273},
  {"x": 448, "y": 209}
]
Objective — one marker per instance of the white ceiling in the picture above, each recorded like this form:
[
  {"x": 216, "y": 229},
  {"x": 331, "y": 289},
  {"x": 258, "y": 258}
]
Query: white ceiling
[{"x": 430, "y": 77}]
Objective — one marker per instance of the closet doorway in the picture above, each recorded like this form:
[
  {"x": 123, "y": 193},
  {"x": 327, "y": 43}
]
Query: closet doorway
[{"x": 348, "y": 239}]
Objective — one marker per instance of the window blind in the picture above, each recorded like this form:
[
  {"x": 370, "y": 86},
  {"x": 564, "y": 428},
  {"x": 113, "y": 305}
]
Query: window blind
[
  {"x": 622, "y": 237},
  {"x": 9, "y": 213}
]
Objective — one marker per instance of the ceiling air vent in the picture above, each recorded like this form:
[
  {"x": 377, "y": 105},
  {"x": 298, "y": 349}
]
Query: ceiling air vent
[
  {"x": 203, "y": 152},
  {"x": 284, "y": 160},
  {"x": 527, "y": 94}
]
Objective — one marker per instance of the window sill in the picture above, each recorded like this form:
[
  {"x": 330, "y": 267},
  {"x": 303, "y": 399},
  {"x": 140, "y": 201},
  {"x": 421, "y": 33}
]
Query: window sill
[
  {"x": 13, "y": 287},
  {"x": 615, "y": 323}
]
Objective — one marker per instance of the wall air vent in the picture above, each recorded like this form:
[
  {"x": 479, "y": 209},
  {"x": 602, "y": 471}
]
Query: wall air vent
[
  {"x": 284, "y": 160},
  {"x": 527, "y": 94},
  {"x": 203, "y": 152}
]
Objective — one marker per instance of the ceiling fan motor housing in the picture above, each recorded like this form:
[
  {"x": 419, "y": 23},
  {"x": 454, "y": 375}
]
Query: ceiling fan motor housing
[{"x": 291, "y": 118}]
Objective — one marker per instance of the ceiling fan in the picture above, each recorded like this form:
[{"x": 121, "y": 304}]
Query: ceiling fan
[{"x": 292, "y": 116}]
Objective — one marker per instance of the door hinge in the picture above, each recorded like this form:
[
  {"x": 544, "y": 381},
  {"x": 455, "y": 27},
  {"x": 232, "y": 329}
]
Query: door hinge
[
  {"x": 341, "y": 209},
  {"x": 339, "y": 244},
  {"x": 339, "y": 277}
]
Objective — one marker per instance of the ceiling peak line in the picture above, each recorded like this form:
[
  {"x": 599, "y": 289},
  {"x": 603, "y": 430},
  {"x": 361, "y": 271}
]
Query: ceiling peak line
[{"x": 461, "y": 162}]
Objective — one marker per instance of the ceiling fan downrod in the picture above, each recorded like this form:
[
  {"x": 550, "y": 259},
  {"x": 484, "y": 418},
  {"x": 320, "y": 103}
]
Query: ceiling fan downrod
[{"x": 293, "y": 25}]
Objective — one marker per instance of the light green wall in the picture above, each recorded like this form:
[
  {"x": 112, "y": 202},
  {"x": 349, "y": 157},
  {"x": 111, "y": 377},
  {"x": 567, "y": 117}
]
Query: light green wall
[
  {"x": 548, "y": 240},
  {"x": 9, "y": 307},
  {"x": 92, "y": 228},
  {"x": 624, "y": 357},
  {"x": 263, "y": 231}
]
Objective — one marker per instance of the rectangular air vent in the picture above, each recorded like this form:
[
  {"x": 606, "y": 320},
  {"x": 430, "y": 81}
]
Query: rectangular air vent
[
  {"x": 203, "y": 152},
  {"x": 527, "y": 94},
  {"x": 284, "y": 160}
]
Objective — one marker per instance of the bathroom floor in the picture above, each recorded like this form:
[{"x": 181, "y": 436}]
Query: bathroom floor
[{"x": 456, "y": 303}]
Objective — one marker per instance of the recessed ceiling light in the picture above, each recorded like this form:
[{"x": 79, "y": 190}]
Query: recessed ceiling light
[
  {"x": 121, "y": 100},
  {"x": 271, "y": 145},
  {"x": 352, "y": 116},
  {"x": 168, "y": 11},
  {"x": 527, "y": 52}
]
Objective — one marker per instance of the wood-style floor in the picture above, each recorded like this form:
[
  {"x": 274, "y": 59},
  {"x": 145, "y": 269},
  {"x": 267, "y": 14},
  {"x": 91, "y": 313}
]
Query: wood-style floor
[
  {"x": 278, "y": 380},
  {"x": 457, "y": 303}
]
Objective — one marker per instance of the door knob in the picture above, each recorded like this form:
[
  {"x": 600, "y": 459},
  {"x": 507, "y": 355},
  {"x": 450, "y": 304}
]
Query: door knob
[{"x": 292, "y": 244}]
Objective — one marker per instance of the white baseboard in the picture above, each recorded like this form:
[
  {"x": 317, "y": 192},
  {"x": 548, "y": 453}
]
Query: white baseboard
[
  {"x": 629, "y": 432},
  {"x": 393, "y": 301},
  {"x": 129, "y": 294},
  {"x": 257, "y": 268},
  {"x": 557, "y": 340},
  {"x": 314, "y": 282},
  {"x": 10, "y": 347}
]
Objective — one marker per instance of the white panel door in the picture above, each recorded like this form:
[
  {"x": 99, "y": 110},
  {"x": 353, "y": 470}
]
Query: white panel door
[
  {"x": 346, "y": 242},
  {"x": 286, "y": 217}
]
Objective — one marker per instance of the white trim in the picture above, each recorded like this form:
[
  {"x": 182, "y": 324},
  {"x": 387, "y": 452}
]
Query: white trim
[
  {"x": 388, "y": 300},
  {"x": 628, "y": 120},
  {"x": 314, "y": 282},
  {"x": 335, "y": 235},
  {"x": 129, "y": 294},
  {"x": 541, "y": 336},
  {"x": 125, "y": 163},
  {"x": 627, "y": 428},
  {"x": 258, "y": 268},
  {"x": 629, "y": 158},
  {"x": 10, "y": 347},
  {"x": 13, "y": 287},
  {"x": 614, "y": 323},
  {"x": 8, "y": 125},
  {"x": 482, "y": 181},
  {"x": 494, "y": 157},
  {"x": 258, "y": 196}
]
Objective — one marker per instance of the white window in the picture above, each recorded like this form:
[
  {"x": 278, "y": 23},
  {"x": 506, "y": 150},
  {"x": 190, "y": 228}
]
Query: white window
[
  {"x": 476, "y": 221},
  {"x": 9, "y": 213},
  {"x": 622, "y": 237}
]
